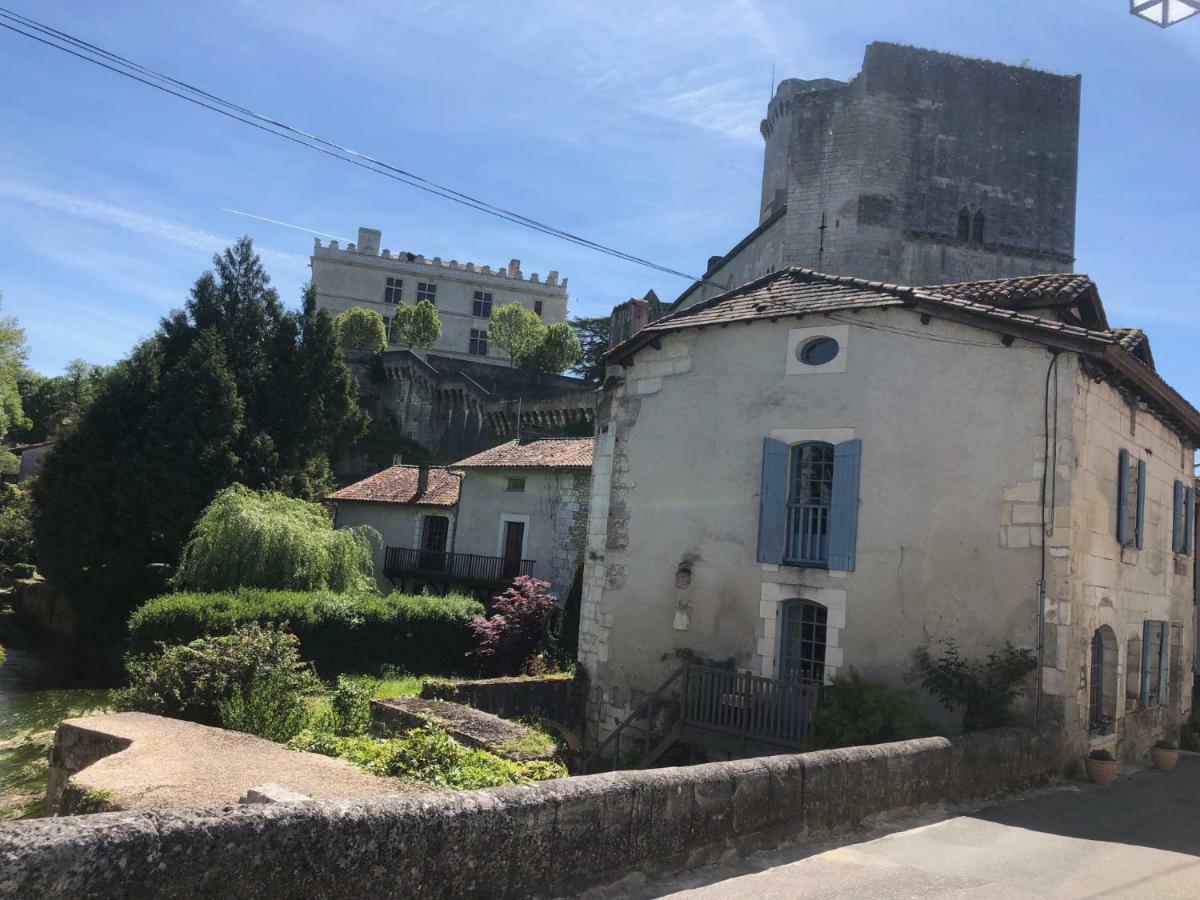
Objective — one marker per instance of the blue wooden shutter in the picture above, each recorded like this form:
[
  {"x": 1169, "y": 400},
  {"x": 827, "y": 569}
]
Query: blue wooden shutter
[
  {"x": 772, "y": 501},
  {"x": 1122, "y": 495},
  {"x": 1164, "y": 653},
  {"x": 1177, "y": 519},
  {"x": 1144, "y": 696},
  {"x": 843, "y": 511},
  {"x": 1141, "y": 501},
  {"x": 1189, "y": 518}
]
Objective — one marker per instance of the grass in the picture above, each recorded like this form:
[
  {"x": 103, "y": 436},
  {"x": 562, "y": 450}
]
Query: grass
[
  {"x": 399, "y": 686},
  {"x": 538, "y": 742}
]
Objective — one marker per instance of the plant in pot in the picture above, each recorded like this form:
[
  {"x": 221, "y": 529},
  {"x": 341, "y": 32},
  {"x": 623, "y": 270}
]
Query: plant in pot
[
  {"x": 1101, "y": 767},
  {"x": 1164, "y": 755}
]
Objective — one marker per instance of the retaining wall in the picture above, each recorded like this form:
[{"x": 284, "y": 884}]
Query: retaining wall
[
  {"x": 550, "y": 697},
  {"x": 546, "y": 839}
]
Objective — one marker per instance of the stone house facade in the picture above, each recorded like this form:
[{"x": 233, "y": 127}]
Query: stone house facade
[
  {"x": 815, "y": 473},
  {"x": 362, "y": 275},
  {"x": 925, "y": 168},
  {"x": 518, "y": 509}
]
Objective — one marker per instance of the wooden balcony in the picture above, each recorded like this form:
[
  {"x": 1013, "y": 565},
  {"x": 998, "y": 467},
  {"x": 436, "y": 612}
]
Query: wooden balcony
[{"x": 461, "y": 568}]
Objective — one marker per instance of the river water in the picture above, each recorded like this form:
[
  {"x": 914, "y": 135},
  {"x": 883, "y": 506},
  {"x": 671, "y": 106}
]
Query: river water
[{"x": 40, "y": 685}]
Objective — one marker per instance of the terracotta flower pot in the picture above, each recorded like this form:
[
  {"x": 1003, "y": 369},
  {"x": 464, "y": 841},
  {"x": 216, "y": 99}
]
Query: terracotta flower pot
[
  {"x": 1164, "y": 759},
  {"x": 1102, "y": 772}
]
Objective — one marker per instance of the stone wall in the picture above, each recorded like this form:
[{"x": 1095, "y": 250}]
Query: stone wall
[
  {"x": 552, "y": 697},
  {"x": 546, "y": 839}
]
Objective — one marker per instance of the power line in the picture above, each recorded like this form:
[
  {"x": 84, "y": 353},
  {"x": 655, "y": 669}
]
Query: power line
[{"x": 81, "y": 49}]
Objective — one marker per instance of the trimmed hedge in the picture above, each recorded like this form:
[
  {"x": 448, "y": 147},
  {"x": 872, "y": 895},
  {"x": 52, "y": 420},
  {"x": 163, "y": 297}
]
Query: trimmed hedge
[{"x": 337, "y": 632}]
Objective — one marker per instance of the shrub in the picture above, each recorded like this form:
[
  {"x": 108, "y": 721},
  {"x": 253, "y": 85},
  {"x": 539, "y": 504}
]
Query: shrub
[
  {"x": 350, "y": 705},
  {"x": 337, "y": 632},
  {"x": 859, "y": 711},
  {"x": 194, "y": 680},
  {"x": 267, "y": 540},
  {"x": 986, "y": 690},
  {"x": 1165, "y": 745},
  {"x": 1102, "y": 756},
  {"x": 430, "y": 756},
  {"x": 271, "y": 706},
  {"x": 511, "y": 635}
]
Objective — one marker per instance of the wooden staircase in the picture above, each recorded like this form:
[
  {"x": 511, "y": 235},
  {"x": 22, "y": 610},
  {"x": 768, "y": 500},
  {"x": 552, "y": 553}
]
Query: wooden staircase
[{"x": 717, "y": 709}]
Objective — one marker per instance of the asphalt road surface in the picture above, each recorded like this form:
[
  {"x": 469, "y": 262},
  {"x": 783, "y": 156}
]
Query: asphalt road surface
[{"x": 1139, "y": 838}]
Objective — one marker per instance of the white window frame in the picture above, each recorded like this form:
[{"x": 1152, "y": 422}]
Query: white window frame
[{"x": 505, "y": 518}]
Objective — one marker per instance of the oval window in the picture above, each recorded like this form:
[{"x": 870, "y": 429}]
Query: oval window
[{"x": 817, "y": 351}]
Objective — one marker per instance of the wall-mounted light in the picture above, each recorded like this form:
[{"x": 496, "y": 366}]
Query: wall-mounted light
[{"x": 1164, "y": 13}]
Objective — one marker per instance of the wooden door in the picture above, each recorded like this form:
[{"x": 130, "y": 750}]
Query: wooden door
[{"x": 514, "y": 541}]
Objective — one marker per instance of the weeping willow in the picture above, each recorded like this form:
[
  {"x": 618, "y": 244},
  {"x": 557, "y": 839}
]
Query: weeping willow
[{"x": 267, "y": 540}]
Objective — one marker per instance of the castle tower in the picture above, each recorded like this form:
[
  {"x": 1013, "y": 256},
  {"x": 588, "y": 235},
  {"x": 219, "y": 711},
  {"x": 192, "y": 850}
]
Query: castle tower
[{"x": 925, "y": 168}]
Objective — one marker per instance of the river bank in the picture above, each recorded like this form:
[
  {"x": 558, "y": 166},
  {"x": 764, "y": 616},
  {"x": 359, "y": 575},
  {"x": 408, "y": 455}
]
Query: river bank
[{"x": 40, "y": 685}]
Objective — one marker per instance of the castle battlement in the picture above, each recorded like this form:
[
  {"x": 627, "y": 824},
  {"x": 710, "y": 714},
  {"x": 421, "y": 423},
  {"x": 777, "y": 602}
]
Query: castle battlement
[{"x": 368, "y": 245}]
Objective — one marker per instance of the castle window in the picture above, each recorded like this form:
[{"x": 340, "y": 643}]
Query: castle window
[
  {"x": 394, "y": 292},
  {"x": 964, "y": 224},
  {"x": 478, "y": 344},
  {"x": 481, "y": 306},
  {"x": 537, "y": 307},
  {"x": 427, "y": 291},
  {"x": 977, "y": 227}
]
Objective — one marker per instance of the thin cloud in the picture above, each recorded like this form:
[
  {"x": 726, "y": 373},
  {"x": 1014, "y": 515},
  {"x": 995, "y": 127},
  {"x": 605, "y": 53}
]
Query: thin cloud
[{"x": 150, "y": 226}]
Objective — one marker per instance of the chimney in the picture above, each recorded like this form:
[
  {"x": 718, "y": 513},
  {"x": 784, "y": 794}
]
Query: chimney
[
  {"x": 514, "y": 268},
  {"x": 397, "y": 459},
  {"x": 628, "y": 319},
  {"x": 368, "y": 241}
]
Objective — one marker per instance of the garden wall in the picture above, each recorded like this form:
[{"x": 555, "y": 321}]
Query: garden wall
[
  {"x": 544, "y": 839},
  {"x": 555, "y": 697}
]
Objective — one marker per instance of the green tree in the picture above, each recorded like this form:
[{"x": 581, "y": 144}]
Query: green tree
[
  {"x": 361, "y": 329},
  {"x": 16, "y": 534},
  {"x": 556, "y": 349},
  {"x": 267, "y": 540},
  {"x": 51, "y": 401},
  {"x": 514, "y": 329},
  {"x": 593, "y": 332},
  {"x": 13, "y": 352},
  {"x": 417, "y": 326},
  {"x": 519, "y": 332},
  {"x": 232, "y": 388}
]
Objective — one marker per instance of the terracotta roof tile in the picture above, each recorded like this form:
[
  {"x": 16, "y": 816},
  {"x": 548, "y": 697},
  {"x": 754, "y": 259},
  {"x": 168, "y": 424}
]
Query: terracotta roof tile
[
  {"x": 554, "y": 453},
  {"x": 411, "y": 485},
  {"x": 1030, "y": 292}
]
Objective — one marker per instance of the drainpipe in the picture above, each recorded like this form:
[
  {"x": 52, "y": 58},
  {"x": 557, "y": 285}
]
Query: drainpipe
[{"x": 1041, "y": 647}]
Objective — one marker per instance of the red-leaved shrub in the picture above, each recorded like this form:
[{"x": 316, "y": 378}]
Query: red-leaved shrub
[{"x": 513, "y": 632}]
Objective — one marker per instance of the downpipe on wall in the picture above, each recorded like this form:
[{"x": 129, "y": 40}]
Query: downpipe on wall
[{"x": 1049, "y": 476}]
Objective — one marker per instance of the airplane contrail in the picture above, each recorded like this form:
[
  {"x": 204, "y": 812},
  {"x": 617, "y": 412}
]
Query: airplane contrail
[{"x": 238, "y": 212}]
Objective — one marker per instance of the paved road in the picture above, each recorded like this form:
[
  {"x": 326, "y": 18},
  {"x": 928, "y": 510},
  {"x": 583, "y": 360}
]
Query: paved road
[{"x": 1139, "y": 838}]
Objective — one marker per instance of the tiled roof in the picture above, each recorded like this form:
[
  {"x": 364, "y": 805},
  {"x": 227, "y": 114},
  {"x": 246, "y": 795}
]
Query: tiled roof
[
  {"x": 413, "y": 485},
  {"x": 552, "y": 453},
  {"x": 794, "y": 291},
  {"x": 1030, "y": 292}
]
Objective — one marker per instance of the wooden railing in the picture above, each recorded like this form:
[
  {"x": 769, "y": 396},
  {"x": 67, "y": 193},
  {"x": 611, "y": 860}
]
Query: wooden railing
[
  {"x": 753, "y": 708},
  {"x": 748, "y": 709},
  {"x": 466, "y": 567}
]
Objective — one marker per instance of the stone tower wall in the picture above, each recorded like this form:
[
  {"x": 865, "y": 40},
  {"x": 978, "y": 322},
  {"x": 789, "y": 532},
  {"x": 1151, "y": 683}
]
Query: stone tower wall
[{"x": 888, "y": 161}]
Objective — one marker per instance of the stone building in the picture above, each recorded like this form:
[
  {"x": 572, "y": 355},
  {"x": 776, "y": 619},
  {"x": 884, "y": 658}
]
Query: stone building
[
  {"x": 815, "y": 473},
  {"x": 925, "y": 168},
  {"x": 517, "y": 509},
  {"x": 364, "y": 276}
]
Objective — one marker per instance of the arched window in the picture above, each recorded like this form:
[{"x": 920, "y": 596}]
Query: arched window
[
  {"x": 977, "y": 228},
  {"x": 964, "y": 224},
  {"x": 809, "y": 498},
  {"x": 802, "y": 646},
  {"x": 1102, "y": 680}
]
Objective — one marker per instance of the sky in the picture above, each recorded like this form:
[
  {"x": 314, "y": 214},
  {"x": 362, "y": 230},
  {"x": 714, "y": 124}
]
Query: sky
[{"x": 633, "y": 124}]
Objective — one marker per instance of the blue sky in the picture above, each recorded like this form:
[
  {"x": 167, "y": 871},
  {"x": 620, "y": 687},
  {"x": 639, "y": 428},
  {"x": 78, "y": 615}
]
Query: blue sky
[{"x": 635, "y": 124}]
